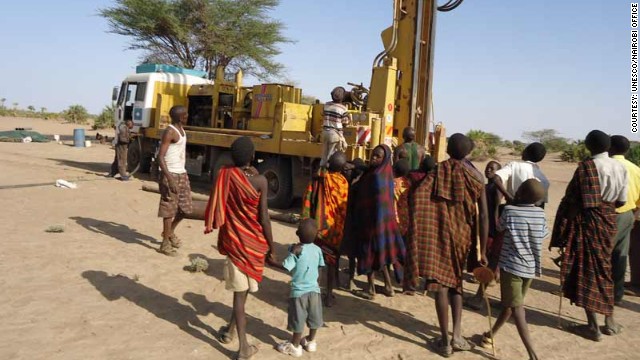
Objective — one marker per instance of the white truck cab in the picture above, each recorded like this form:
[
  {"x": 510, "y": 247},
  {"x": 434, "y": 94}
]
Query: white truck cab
[{"x": 141, "y": 95}]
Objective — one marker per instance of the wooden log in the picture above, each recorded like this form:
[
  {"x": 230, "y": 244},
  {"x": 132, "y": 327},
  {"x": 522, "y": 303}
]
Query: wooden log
[{"x": 200, "y": 204}]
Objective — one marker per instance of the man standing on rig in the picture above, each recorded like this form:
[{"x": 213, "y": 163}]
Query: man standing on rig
[{"x": 335, "y": 116}]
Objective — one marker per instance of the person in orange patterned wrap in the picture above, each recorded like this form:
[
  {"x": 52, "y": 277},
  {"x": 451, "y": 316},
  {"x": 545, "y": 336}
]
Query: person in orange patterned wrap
[
  {"x": 238, "y": 208},
  {"x": 325, "y": 201}
]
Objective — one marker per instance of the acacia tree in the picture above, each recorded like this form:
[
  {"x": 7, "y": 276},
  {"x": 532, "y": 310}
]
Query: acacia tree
[
  {"x": 549, "y": 138},
  {"x": 202, "y": 34}
]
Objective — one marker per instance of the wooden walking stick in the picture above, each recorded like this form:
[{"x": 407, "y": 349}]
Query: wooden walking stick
[
  {"x": 561, "y": 295},
  {"x": 484, "y": 275}
]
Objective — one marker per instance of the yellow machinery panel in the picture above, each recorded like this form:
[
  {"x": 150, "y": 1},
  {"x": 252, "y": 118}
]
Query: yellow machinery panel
[
  {"x": 382, "y": 98},
  {"x": 297, "y": 117},
  {"x": 264, "y": 124},
  {"x": 317, "y": 119},
  {"x": 267, "y": 96},
  {"x": 166, "y": 96}
]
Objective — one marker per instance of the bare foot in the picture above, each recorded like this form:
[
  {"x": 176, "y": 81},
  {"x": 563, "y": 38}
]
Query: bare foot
[
  {"x": 246, "y": 354},
  {"x": 611, "y": 327},
  {"x": 586, "y": 332},
  {"x": 461, "y": 344}
]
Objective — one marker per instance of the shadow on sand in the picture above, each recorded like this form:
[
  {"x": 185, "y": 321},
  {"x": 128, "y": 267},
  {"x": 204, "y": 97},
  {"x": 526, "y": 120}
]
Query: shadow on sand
[
  {"x": 116, "y": 231},
  {"x": 94, "y": 167},
  {"x": 161, "y": 305},
  {"x": 369, "y": 313}
]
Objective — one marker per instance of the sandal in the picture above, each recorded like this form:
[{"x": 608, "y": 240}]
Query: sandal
[
  {"x": 254, "y": 350},
  {"x": 175, "y": 241},
  {"x": 487, "y": 341},
  {"x": 441, "y": 348},
  {"x": 610, "y": 331},
  {"x": 463, "y": 345},
  {"x": 224, "y": 336},
  {"x": 169, "y": 252}
]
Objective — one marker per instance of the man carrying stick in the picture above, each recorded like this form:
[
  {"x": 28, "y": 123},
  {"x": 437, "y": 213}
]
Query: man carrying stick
[{"x": 585, "y": 227}]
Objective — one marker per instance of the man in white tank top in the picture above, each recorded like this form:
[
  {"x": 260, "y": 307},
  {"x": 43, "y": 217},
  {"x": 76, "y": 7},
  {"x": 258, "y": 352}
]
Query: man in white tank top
[{"x": 175, "y": 190}]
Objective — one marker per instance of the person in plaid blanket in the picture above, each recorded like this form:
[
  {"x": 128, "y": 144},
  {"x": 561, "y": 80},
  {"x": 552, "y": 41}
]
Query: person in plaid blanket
[
  {"x": 442, "y": 209},
  {"x": 585, "y": 227},
  {"x": 379, "y": 243}
]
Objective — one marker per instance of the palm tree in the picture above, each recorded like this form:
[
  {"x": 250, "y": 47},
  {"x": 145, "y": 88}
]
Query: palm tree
[
  {"x": 2, "y": 102},
  {"x": 31, "y": 108},
  {"x": 43, "y": 110}
]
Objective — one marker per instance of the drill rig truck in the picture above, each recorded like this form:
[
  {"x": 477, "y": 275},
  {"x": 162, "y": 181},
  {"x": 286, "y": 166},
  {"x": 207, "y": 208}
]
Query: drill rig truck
[{"x": 286, "y": 132}]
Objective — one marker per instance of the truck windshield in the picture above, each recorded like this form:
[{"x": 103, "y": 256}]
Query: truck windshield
[{"x": 131, "y": 93}]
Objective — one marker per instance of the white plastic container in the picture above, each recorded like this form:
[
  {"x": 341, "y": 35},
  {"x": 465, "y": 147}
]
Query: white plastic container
[{"x": 87, "y": 143}]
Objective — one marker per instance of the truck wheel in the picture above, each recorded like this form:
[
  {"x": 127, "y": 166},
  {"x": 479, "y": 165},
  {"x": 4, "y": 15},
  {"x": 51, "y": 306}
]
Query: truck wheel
[
  {"x": 279, "y": 181},
  {"x": 134, "y": 156}
]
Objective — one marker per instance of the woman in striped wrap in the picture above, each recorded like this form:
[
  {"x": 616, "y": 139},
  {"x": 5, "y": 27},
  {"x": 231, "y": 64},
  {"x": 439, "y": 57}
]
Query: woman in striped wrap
[{"x": 378, "y": 240}]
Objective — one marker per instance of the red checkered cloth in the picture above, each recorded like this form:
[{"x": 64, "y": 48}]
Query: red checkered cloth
[
  {"x": 585, "y": 226},
  {"x": 443, "y": 207}
]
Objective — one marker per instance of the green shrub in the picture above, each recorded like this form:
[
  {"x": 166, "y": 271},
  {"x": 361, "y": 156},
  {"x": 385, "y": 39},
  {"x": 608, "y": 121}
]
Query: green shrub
[
  {"x": 634, "y": 154},
  {"x": 482, "y": 137},
  {"x": 575, "y": 152},
  {"x": 492, "y": 151},
  {"x": 105, "y": 120},
  {"x": 76, "y": 114},
  {"x": 479, "y": 154},
  {"x": 557, "y": 144},
  {"x": 518, "y": 148}
]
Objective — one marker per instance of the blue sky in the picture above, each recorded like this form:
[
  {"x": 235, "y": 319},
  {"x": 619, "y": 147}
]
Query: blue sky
[{"x": 501, "y": 66}]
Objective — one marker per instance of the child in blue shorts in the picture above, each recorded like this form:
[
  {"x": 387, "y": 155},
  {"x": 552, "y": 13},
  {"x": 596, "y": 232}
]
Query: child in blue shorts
[{"x": 305, "y": 303}]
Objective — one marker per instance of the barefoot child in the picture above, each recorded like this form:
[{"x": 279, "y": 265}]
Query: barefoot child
[
  {"x": 524, "y": 227},
  {"x": 305, "y": 304}
]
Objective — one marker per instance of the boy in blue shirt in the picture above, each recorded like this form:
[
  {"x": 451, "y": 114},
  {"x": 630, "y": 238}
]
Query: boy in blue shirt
[
  {"x": 524, "y": 227},
  {"x": 305, "y": 303}
]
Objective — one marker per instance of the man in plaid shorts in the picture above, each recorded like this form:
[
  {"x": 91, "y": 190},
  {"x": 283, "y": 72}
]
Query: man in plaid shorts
[{"x": 175, "y": 190}]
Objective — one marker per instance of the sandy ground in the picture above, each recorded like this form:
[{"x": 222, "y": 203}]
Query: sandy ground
[{"x": 101, "y": 291}]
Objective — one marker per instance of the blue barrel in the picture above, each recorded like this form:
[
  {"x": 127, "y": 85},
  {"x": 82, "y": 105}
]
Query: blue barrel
[{"x": 78, "y": 137}]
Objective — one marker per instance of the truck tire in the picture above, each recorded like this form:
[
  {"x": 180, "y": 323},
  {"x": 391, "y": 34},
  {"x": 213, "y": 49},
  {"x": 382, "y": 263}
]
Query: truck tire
[
  {"x": 134, "y": 156},
  {"x": 279, "y": 181}
]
